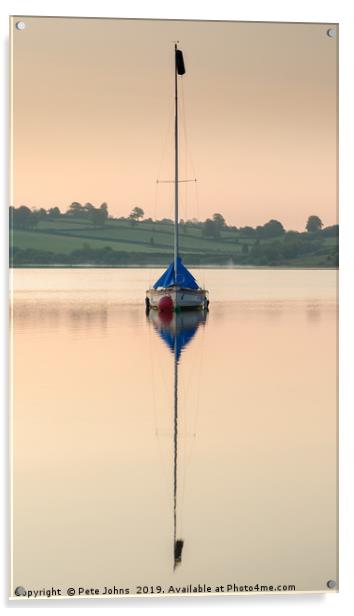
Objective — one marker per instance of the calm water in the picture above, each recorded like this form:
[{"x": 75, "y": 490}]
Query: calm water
[{"x": 93, "y": 431}]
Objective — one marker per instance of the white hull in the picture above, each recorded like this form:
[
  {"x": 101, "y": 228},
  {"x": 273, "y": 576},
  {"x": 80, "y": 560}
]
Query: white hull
[{"x": 181, "y": 298}]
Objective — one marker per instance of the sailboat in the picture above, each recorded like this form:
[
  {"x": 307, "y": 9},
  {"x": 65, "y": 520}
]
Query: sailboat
[
  {"x": 177, "y": 288},
  {"x": 176, "y": 330}
]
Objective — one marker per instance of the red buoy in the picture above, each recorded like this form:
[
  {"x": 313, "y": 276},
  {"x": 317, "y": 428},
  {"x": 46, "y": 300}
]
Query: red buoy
[
  {"x": 166, "y": 304},
  {"x": 165, "y": 318}
]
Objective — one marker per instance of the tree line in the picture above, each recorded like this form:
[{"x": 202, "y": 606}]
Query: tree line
[{"x": 23, "y": 217}]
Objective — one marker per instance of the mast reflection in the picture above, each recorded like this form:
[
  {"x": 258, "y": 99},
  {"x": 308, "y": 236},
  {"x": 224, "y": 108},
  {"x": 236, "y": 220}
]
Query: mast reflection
[{"x": 176, "y": 330}]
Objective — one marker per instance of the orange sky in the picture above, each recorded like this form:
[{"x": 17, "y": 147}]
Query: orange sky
[{"x": 93, "y": 109}]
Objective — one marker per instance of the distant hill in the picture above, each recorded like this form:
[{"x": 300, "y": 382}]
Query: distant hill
[{"x": 69, "y": 241}]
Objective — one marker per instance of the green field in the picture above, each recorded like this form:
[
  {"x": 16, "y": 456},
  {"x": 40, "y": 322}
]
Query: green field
[
  {"x": 64, "y": 236},
  {"x": 65, "y": 243},
  {"x": 118, "y": 242}
]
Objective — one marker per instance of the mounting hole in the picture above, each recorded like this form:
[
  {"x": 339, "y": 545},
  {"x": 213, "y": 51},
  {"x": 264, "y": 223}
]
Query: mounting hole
[
  {"x": 331, "y": 584},
  {"x": 20, "y": 25},
  {"x": 332, "y": 32}
]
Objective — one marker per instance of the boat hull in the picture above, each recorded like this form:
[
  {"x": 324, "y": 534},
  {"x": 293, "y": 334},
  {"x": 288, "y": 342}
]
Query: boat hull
[{"x": 181, "y": 298}]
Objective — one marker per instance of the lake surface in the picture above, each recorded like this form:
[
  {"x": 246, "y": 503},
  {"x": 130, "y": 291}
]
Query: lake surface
[{"x": 97, "y": 478}]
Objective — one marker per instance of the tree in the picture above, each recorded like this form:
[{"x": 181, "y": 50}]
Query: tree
[
  {"x": 219, "y": 220},
  {"x": 291, "y": 248},
  {"x": 272, "y": 251},
  {"x": 23, "y": 217},
  {"x": 11, "y": 216},
  {"x": 291, "y": 235},
  {"x": 247, "y": 231},
  {"x": 314, "y": 223},
  {"x": 256, "y": 250},
  {"x": 98, "y": 216},
  {"x": 332, "y": 231},
  {"x": 104, "y": 208},
  {"x": 272, "y": 228},
  {"x": 75, "y": 208},
  {"x": 54, "y": 212},
  {"x": 210, "y": 229},
  {"x": 136, "y": 213},
  {"x": 41, "y": 213}
]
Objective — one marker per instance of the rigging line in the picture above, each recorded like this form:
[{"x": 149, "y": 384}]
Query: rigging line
[
  {"x": 189, "y": 452},
  {"x": 188, "y": 404},
  {"x": 197, "y": 201},
  {"x": 166, "y": 141},
  {"x": 196, "y": 416},
  {"x": 186, "y": 389},
  {"x": 163, "y": 465},
  {"x": 185, "y": 127},
  {"x": 173, "y": 181},
  {"x": 152, "y": 377},
  {"x": 183, "y": 446},
  {"x": 183, "y": 118},
  {"x": 160, "y": 455},
  {"x": 163, "y": 156},
  {"x": 154, "y": 230},
  {"x": 187, "y": 148},
  {"x": 183, "y": 122},
  {"x": 161, "y": 373},
  {"x": 156, "y": 194},
  {"x": 186, "y": 416},
  {"x": 182, "y": 449},
  {"x": 189, "y": 380}
]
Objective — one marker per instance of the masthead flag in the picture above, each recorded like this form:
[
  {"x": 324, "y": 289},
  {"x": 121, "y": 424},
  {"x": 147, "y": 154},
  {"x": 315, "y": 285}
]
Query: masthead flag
[{"x": 180, "y": 62}]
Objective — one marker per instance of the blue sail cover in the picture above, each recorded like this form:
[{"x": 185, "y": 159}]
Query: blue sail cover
[
  {"x": 184, "y": 278},
  {"x": 177, "y": 341},
  {"x": 178, "y": 330}
]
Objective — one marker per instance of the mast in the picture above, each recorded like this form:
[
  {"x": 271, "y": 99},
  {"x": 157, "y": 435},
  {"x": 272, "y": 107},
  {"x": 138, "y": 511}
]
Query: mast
[
  {"x": 177, "y": 543},
  {"x": 179, "y": 70},
  {"x": 176, "y": 247},
  {"x": 176, "y": 555}
]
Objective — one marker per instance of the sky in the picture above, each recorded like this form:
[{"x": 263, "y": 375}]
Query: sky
[{"x": 92, "y": 118}]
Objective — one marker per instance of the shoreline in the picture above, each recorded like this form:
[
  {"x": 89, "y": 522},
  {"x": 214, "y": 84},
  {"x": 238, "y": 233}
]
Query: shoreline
[{"x": 154, "y": 266}]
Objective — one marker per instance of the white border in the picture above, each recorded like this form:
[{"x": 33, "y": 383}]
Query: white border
[{"x": 252, "y": 10}]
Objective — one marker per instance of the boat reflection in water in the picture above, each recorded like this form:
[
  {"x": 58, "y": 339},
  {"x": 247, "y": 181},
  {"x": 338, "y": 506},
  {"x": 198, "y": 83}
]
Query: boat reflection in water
[{"x": 176, "y": 330}]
